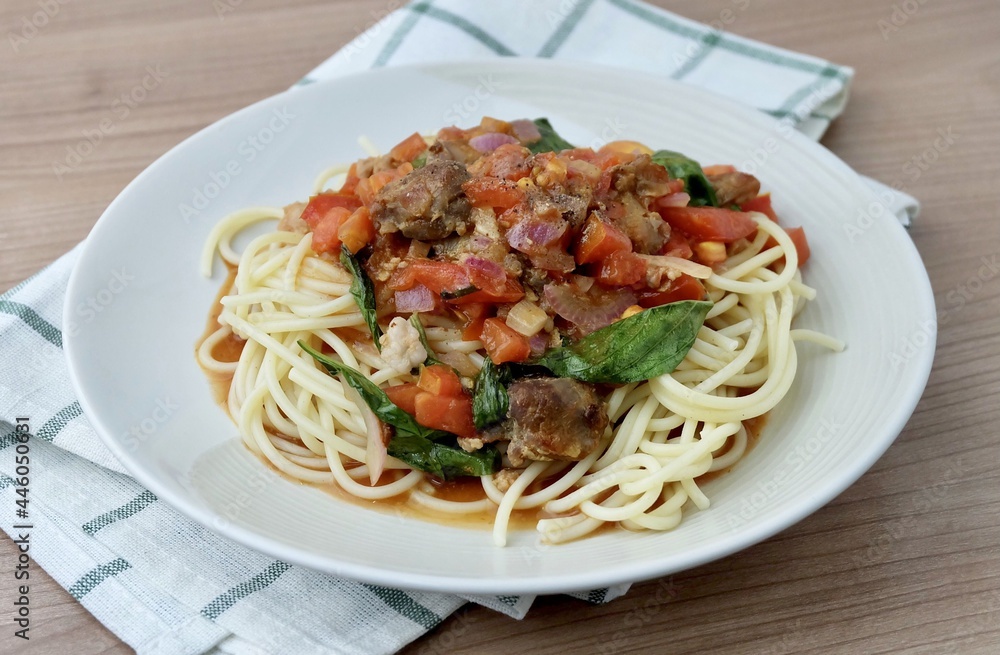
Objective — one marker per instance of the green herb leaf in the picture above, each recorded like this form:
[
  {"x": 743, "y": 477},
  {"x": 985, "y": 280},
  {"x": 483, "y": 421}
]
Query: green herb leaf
[
  {"x": 458, "y": 293},
  {"x": 363, "y": 292},
  {"x": 420, "y": 161},
  {"x": 387, "y": 411},
  {"x": 687, "y": 169},
  {"x": 415, "y": 322},
  {"x": 490, "y": 401},
  {"x": 550, "y": 141},
  {"x": 640, "y": 347},
  {"x": 444, "y": 460}
]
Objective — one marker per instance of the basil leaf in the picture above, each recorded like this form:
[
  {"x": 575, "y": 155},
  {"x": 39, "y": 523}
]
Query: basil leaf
[
  {"x": 443, "y": 460},
  {"x": 490, "y": 401},
  {"x": 687, "y": 169},
  {"x": 640, "y": 347},
  {"x": 363, "y": 292},
  {"x": 458, "y": 293},
  {"x": 415, "y": 322},
  {"x": 420, "y": 161},
  {"x": 550, "y": 141},
  {"x": 387, "y": 411}
]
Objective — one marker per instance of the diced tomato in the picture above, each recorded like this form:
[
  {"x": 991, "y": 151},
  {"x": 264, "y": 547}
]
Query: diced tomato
[
  {"x": 684, "y": 287},
  {"x": 621, "y": 268},
  {"x": 493, "y": 192},
  {"x": 762, "y": 204},
  {"x": 369, "y": 187},
  {"x": 710, "y": 223},
  {"x": 451, "y": 133},
  {"x": 408, "y": 148},
  {"x": 440, "y": 380},
  {"x": 326, "y": 234},
  {"x": 710, "y": 253},
  {"x": 321, "y": 204},
  {"x": 512, "y": 292},
  {"x": 606, "y": 158},
  {"x": 677, "y": 246},
  {"x": 508, "y": 162},
  {"x": 490, "y": 124},
  {"x": 449, "y": 413},
  {"x": 718, "y": 169},
  {"x": 476, "y": 313},
  {"x": 504, "y": 344},
  {"x": 798, "y": 235},
  {"x": 351, "y": 182},
  {"x": 486, "y": 275},
  {"x": 437, "y": 276},
  {"x": 598, "y": 239},
  {"x": 404, "y": 396},
  {"x": 357, "y": 231},
  {"x": 364, "y": 191}
]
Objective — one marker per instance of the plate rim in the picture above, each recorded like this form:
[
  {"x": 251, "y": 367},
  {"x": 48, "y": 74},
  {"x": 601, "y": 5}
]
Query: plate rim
[{"x": 609, "y": 574}]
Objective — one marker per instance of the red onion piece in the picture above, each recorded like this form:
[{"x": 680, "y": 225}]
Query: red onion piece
[
  {"x": 591, "y": 311},
  {"x": 486, "y": 275},
  {"x": 417, "y": 299},
  {"x": 526, "y": 131},
  {"x": 680, "y": 199},
  {"x": 539, "y": 343},
  {"x": 581, "y": 283},
  {"x": 490, "y": 141},
  {"x": 532, "y": 235},
  {"x": 485, "y": 267}
]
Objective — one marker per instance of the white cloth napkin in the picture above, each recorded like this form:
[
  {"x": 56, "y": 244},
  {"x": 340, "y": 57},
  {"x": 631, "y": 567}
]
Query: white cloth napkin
[{"x": 165, "y": 585}]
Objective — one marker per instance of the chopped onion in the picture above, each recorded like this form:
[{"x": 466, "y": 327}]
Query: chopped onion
[
  {"x": 417, "y": 299},
  {"x": 581, "y": 282},
  {"x": 679, "y": 199},
  {"x": 490, "y": 141},
  {"x": 526, "y": 131},
  {"x": 489, "y": 269},
  {"x": 590, "y": 311},
  {"x": 532, "y": 236},
  {"x": 461, "y": 362},
  {"x": 526, "y": 318},
  {"x": 694, "y": 269}
]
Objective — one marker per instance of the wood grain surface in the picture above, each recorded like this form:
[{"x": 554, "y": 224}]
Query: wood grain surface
[{"x": 905, "y": 561}]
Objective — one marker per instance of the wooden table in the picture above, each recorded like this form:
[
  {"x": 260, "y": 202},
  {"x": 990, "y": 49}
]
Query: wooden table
[{"x": 906, "y": 560}]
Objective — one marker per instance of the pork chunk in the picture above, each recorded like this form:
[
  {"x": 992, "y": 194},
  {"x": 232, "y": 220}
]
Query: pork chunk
[
  {"x": 428, "y": 204},
  {"x": 554, "y": 419},
  {"x": 734, "y": 188}
]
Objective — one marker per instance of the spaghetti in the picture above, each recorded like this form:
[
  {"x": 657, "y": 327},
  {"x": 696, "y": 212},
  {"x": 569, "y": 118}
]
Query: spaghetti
[{"x": 662, "y": 434}]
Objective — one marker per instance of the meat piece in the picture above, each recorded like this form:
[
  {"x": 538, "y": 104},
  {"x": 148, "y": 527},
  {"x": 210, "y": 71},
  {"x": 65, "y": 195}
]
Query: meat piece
[
  {"x": 560, "y": 205},
  {"x": 369, "y": 165},
  {"x": 509, "y": 162},
  {"x": 445, "y": 150},
  {"x": 634, "y": 185},
  {"x": 554, "y": 419},
  {"x": 642, "y": 177},
  {"x": 646, "y": 229},
  {"x": 734, "y": 188},
  {"x": 484, "y": 241},
  {"x": 427, "y": 204},
  {"x": 292, "y": 219}
]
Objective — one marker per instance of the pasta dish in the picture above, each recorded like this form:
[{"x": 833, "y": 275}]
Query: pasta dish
[{"x": 573, "y": 334}]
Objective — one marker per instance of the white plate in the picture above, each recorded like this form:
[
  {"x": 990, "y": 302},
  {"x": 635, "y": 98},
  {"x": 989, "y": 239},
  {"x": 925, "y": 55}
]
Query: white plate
[{"x": 137, "y": 354}]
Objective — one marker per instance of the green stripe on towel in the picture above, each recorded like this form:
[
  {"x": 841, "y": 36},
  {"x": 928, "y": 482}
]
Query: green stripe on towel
[
  {"x": 262, "y": 580},
  {"x": 86, "y": 584},
  {"x": 134, "y": 506}
]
